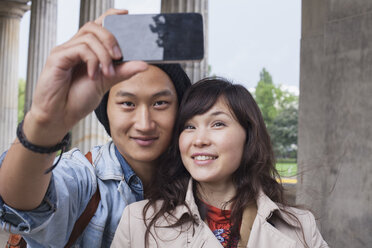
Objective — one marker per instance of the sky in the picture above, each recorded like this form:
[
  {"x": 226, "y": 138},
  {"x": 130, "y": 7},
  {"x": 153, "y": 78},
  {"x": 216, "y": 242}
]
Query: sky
[{"x": 244, "y": 36}]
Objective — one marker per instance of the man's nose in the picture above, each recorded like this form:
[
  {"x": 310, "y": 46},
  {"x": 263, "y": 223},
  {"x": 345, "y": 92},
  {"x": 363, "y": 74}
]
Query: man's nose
[{"x": 144, "y": 121}]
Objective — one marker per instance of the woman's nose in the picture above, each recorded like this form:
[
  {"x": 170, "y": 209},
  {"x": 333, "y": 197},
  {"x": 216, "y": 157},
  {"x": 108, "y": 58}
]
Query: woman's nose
[{"x": 201, "y": 138}]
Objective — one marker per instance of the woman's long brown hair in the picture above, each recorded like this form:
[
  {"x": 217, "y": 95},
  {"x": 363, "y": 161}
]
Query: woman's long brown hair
[{"x": 256, "y": 171}]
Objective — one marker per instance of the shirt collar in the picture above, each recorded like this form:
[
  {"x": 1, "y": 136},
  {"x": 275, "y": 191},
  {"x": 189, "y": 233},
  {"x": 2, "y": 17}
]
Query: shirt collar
[
  {"x": 127, "y": 170},
  {"x": 130, "y": 176},
  {"x": 106, "y": 163},
  {"x": 110, "y": 164}
]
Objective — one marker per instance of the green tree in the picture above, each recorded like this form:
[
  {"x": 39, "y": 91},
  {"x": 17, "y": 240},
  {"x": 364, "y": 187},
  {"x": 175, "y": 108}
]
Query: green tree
[
  {"x": 285, "y": 99},
  {"x": 283, "y": 133},
  {"x": 280, "y": 112},
  {"x": 265, "y": 97},
  {"x": 21, "y": 98},
  {"x": 265, "y": 76}
]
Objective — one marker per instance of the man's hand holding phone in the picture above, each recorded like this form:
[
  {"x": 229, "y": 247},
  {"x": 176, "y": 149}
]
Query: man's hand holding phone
[
  {"x": 79, "y": 72},
  {"x": 75, "y": 77}
]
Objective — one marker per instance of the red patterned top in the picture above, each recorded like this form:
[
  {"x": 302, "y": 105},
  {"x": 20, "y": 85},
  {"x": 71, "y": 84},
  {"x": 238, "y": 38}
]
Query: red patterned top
[{"x": 219, "y": 222}]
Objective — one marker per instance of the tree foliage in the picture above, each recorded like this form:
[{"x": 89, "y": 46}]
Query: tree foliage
[
  {"x": 21, "y": 98},
  {"x": 284, "y": 133},
  {"x": 280, "y": 112},
  {"x": 265, "y": 97}
]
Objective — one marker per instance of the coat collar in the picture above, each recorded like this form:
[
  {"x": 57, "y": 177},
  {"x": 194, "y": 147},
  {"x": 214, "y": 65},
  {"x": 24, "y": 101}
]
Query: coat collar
[
  {"x": 266, "y": 208},
  {"x": 190, "y": 201}
]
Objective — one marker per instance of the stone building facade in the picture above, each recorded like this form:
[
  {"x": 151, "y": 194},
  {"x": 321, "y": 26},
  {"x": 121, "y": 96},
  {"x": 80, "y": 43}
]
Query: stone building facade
[{"x": 335, "y": 116}]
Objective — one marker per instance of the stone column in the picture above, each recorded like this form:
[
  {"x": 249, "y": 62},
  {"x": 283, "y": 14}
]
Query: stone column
[
  {"x": 195, "y": 70},
  {"x": 92, "y": 9},
  {"x": 11, "y": 13},
  {"x": 89, "y": 132},
  {"x": 43, "y": 34},
  {"x": 335, "y": 133}
]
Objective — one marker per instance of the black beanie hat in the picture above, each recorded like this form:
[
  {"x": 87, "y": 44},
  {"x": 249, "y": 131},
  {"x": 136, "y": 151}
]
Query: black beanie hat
[{"x": 174, "y": 71}]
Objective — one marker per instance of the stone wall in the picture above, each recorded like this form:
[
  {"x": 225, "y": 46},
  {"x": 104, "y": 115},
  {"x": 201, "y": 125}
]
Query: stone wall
[{"x": 335, "y": 119}]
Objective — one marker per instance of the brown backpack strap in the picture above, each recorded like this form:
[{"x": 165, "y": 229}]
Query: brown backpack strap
[
  {"x": 249, "y": 215},
  {"x": 16, "y": 241},
  {"x": 87, "y": 215}
]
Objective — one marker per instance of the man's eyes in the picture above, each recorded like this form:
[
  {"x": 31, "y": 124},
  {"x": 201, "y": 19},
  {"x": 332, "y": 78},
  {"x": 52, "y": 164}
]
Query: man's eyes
[
  {"x": 128, "y": 104},
  {"x": 160, "y": 103}
]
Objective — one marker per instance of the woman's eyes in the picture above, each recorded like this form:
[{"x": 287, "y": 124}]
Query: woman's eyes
[
  {"x": 189, "y": 127},
  {"x": 215, "y": 124},
  {"x": 219, "y": 124}
]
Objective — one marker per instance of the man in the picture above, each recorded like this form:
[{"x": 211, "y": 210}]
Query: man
[{"x": 138, "y": 112}]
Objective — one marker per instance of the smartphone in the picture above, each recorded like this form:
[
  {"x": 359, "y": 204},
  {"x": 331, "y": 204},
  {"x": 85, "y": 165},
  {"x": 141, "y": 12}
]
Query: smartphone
[{"x": 158, "y": 38}]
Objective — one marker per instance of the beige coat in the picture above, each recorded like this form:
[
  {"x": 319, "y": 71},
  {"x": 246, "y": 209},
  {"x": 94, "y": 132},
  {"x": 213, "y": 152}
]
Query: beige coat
[{"x": 281, "y": 233}]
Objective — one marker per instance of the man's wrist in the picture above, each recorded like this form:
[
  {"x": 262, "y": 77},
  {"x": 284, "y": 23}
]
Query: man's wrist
[
  {"x": 41, "y": 149},
  {"x": 42, "y": 133}
]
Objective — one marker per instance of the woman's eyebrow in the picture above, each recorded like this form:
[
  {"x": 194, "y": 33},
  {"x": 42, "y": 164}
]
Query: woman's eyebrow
[{"x": 219, "y": 113}]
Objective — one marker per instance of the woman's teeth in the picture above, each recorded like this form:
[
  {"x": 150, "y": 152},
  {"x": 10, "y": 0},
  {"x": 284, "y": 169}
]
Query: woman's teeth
[{"x": 202, "y": 158}]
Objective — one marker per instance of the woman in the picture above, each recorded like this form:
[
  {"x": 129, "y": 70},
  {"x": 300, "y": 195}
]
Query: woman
[{"x": 233, "y": 198}]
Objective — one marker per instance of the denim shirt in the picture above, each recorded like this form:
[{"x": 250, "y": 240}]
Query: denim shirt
[
  {"x": 73, "y": 183},
  {"x": 130, "y": 177}
]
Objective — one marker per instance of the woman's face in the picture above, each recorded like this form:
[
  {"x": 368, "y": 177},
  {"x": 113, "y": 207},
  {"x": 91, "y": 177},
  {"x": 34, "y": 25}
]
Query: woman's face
[{"x": 212, "y": 144}]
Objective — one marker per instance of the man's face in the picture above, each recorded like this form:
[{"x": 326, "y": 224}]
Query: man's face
[{"x": 142, "y": 112}]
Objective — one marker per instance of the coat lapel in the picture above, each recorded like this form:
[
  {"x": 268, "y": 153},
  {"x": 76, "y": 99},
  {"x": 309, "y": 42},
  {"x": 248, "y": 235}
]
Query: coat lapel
[{"x": 265, "y": 234}]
